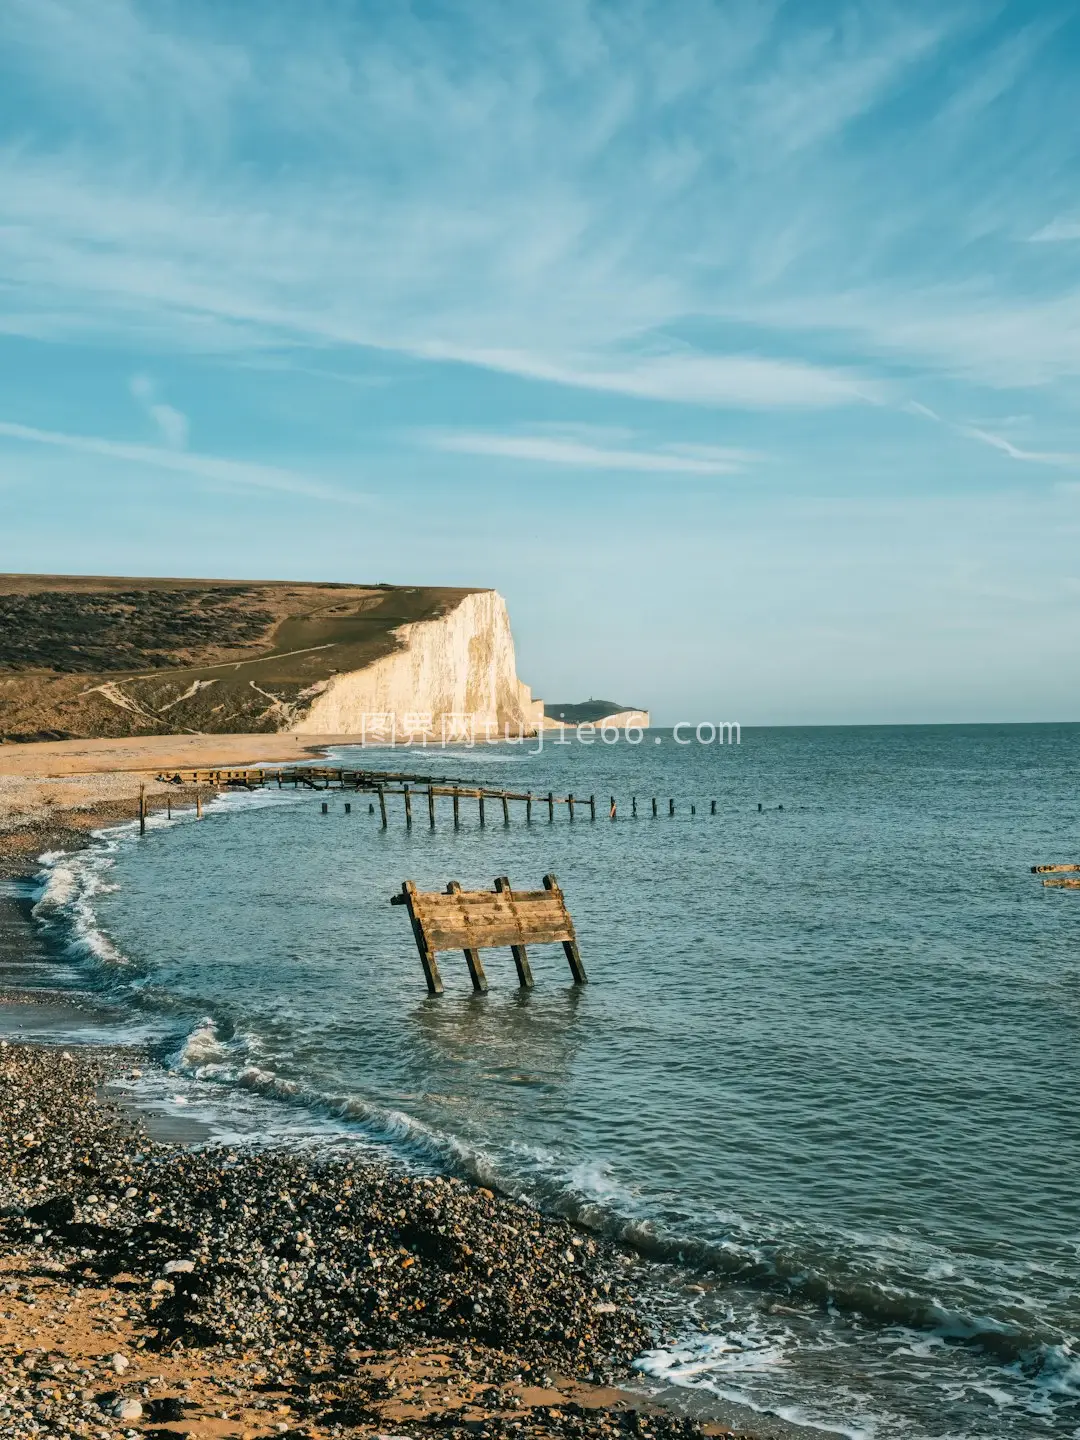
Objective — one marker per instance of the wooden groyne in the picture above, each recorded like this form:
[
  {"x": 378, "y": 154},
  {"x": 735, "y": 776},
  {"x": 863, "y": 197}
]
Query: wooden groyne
[
  {"x": 411, "y": 789},
  {"x": 475, "y": 920}
]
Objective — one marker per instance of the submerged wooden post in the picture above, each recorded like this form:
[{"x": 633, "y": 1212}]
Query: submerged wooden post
[
  {"x": 325, "y": 808},
  {"x": 427, "y": 955},
  {"x": 570, "y": 805},
  {"x": 142, "y": 809},
  {"x": 198, "y": 803},
  {"x": 671, "y": 807},
  {"x": 611, "y": 812},
  {"x": 592, "y": 807},
  {"x": 551, "y": 806},
  {"x": 431, "y": 806},
  {"x": 472, "y": 957},
  {"x": 654, "y": 807},
  {"x": 481, "y": 807},
  {"x": 348, "y": 808},
  {"x": 408, "y": 806},
  {"x": 693, "y": 809},
  {"x": 382, "y": 805},
  {"x": 457, "y": 809},
  {"x": 570, "y": 949},
  {"x": 168, "y": 807},
  {"x": 633, "y": 804},
  {"x": 712, "y": 808},
  {"x": 521, "y": 957},
  {"x": 506, "y": 810},
  {"x": 528, "y": 808}
]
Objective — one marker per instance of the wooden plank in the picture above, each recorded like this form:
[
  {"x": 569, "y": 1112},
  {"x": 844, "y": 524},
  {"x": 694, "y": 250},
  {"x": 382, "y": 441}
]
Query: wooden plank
[
  {"x": 570, "y": 948},
  {"x": 521, "y": 958},
  {"x": 427, "y": 953},
  {"x": 472, "y": 955}
]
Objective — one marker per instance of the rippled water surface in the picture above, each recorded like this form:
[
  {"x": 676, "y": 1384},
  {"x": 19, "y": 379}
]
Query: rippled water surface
[{"x": 826, "y": 1067}]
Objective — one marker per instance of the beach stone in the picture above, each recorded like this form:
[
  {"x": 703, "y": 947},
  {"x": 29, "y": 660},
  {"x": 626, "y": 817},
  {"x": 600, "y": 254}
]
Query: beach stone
[
  {"x": 126, "y": 1409},
  {"x": 178, "y": 1267},
  {"x": 119, "y": 1363}
]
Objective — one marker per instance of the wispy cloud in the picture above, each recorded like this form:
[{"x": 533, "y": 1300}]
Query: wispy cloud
[
  {"x": 213, "y": 468},
  {"x": 574, "y": 188},
  {"x": 687, "y": 376},
  {"x": 1017, "y": 452},
  {"x": 569, "y": 450},
  {"x": 172, "y": 423},
  {"x": 1060, "y": 229},
  {"x": 1065, "y": 459}
]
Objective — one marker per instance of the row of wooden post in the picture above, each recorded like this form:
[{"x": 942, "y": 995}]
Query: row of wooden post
[
  {"x": 144, "y": 807},
  {"x": 549, "y": 800}
]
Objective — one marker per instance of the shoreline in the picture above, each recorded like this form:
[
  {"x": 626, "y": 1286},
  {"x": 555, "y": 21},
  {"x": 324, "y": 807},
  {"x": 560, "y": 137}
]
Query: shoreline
[{"x": 469, "y": 1380}]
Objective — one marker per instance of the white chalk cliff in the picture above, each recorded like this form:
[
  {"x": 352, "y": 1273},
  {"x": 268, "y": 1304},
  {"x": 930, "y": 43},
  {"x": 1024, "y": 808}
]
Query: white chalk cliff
[{"x": 460, "y": 664}]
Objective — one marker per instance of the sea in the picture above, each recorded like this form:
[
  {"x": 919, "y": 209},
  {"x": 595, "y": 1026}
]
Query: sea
[{"x": 825, "y": 1075}]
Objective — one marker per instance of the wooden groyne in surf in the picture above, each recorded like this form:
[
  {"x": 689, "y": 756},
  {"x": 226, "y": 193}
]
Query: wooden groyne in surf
[{"x": 411, "y": 788}]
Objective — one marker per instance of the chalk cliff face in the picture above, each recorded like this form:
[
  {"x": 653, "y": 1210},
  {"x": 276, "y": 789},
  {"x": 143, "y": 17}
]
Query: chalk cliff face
[{"x": 452, "y": 671}]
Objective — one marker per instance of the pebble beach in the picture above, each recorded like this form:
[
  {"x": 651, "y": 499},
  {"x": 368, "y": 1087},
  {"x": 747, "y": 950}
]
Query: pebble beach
[{"x": 149, "y": 1287}]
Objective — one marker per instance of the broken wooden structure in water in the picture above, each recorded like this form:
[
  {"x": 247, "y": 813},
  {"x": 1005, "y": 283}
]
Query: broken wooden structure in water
[
  {"x": 475, "y": 920},
  {"x": 1056, "y": 870},
  {"x": 411, "y": 788},
  {"x": 407, "y": 786}
]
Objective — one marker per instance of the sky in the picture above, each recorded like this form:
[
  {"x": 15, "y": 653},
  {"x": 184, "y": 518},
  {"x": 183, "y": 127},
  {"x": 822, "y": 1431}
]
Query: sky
[{"x": 736, "y": 344}]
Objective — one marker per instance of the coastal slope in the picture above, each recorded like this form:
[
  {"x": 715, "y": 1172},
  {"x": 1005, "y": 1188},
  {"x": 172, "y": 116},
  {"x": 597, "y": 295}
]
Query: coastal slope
[{"x": 87, "y": 656}]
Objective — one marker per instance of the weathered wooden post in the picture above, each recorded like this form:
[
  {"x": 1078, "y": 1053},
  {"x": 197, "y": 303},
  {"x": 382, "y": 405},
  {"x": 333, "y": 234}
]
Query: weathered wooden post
[
  {"x": 325, "y": 808},
  {"x": 457, "y": 809},
  {"x": 570, "y": 949},
  {"x": 528, "y": 808},
  {"x": 472, "y": 957},
  {"x": 408, "y": 806},
  {"x": 481, "y": 807},
  {"x": 671, "y": 807},
  {"x": 693, "y": 809},
  {"x": 506, "y": 810},
  {"x": 551, "y": 806},
  {"x": 654, "y": 807},
  {"x": 382, "y": 805},
  {"x": 712, "y": 808},
  {"x": 348, "y": 808},
  {"x": 427, "y": 955},
  {"x": 198, "y": 802},
  {"x": 570, "y": 805},
  {"x": 142, "y": 809},
  {"x": 521, "y": 958},
  {"x": 431, "y": 806},
  {"x": 592, "y": 807},
  {"x": 633, "y": 805}
]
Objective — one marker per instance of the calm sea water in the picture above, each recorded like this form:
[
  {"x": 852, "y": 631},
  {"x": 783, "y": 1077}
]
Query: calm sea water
[{"x": 826, "y": 1069}]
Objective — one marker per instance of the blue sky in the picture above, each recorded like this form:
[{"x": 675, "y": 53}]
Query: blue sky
[{"x": 738, "y": 345}]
